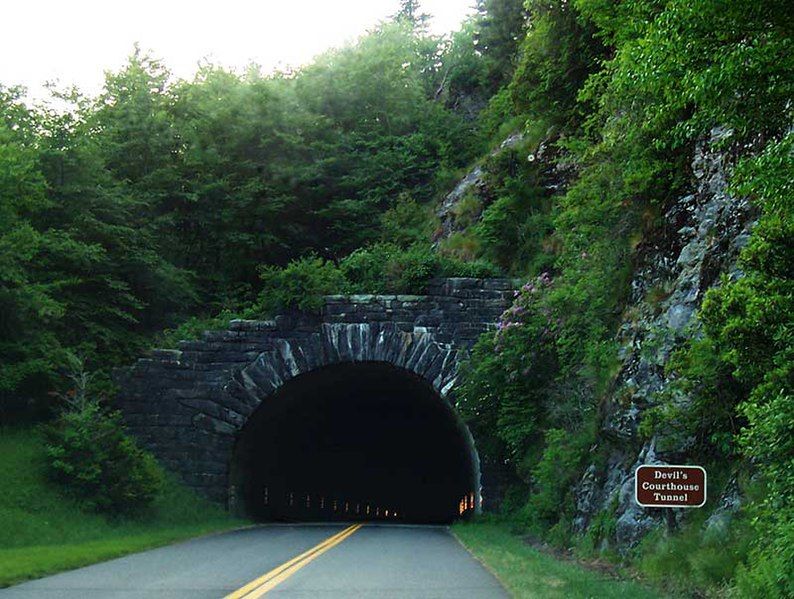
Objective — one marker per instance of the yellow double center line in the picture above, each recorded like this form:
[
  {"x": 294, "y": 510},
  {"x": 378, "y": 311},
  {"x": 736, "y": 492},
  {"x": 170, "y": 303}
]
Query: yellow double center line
[{"x": 263, "y": 584}]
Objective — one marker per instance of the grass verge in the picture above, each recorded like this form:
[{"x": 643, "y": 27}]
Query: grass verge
[
  {"x": 43, "y": 531},
  {"x": 527, "y": 572}
]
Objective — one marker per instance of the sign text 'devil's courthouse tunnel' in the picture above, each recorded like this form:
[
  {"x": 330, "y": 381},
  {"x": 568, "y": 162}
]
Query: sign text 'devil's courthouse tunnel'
[{"x": 670, "y": 486}]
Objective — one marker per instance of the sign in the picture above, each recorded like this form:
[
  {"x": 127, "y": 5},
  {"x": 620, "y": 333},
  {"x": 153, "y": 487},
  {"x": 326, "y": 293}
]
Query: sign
[{"x": 660, "y": 485}]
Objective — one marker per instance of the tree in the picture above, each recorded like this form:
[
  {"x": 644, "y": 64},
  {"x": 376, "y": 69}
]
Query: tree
[
  {"x": 31, "y": 301},
  {"x": 410, "y": 12},
  {"x": 501, "y": 26}
]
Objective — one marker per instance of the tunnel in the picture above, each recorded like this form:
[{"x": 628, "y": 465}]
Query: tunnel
[{"x": 355, "y": 441}]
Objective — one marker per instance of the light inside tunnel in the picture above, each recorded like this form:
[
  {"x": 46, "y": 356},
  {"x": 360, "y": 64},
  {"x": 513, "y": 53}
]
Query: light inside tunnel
[{"x": 364, "y": 435}]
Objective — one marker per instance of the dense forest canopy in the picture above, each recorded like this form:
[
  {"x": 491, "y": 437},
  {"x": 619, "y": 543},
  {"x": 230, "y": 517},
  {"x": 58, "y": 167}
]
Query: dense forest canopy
[
  {"x": 164, "y": 202},
  {"x": 161, "y": 198}
]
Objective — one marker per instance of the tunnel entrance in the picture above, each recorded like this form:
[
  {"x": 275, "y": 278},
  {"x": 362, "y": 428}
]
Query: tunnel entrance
[{"x": 355, "y": 441}]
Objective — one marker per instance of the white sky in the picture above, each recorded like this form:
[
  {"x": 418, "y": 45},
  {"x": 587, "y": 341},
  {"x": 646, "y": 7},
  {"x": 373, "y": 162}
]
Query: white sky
[{"x": 75, "y": 41}]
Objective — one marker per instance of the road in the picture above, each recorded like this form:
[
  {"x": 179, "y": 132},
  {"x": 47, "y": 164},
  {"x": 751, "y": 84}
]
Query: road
[{"x": 333, "y": 560}]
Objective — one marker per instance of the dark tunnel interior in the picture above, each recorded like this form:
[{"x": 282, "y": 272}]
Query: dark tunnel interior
[{"x": 360, "y": 441}]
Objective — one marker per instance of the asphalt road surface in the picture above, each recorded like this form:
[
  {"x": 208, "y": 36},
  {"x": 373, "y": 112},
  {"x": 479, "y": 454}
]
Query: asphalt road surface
[{"x": 283, "y": 560}]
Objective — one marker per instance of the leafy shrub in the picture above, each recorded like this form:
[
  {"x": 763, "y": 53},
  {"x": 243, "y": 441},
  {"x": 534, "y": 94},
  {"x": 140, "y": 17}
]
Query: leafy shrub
[
  {"x": 410, "y": 271},
  {"x": 556, "y": 56},
  {"x": 461, "y": 245},
  {"x": 193, "y": 327},
  {"x": 512, "y": 232},
  {"x": 512, "y": 227},
  {"x": 503, "y": 387},
  {"x": 691, "y": 561},
  {"x": 387, "y": 268},
  {"x": 707, "y": 421},
  {"x": 379, "y": 268},
  {"x": 89, "y": 454},
  {"x": 467, "y": 210},
  {"x": 449, "y": 266},
  {"x": 749, "y": 321},
  {"x": 407, "y": 222},
  {"x": 299, "y": 285},
  {"x": 498, "y": 118},
  {"x": 365, "y": 268},
  {"x": 554, "y": 474}
]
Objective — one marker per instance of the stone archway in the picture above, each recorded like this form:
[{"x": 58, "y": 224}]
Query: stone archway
[{"x": 189, "y": 405}]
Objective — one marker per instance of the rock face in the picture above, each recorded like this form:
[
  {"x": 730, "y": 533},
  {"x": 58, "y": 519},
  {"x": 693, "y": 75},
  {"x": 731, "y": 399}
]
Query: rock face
[
  {"x": 700, "y": 239},
  {"x": 554, "y": 175},
  {"x": 187, "y": 405}
]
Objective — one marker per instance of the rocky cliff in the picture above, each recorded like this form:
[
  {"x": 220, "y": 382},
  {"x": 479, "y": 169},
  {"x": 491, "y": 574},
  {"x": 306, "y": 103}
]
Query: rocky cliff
[{"x": 699, "y": 239}]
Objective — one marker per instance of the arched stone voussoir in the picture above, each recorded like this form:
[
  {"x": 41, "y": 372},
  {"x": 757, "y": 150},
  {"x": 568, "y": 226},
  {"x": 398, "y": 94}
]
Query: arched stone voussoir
[
  {"x": 422, "y": 353},
  {"x": 265, "y": 374},
  {"x": 347, "y": 342}
]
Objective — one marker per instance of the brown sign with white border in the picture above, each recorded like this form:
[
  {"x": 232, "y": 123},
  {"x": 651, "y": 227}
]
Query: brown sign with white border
[{"x": 658, "y": 485}]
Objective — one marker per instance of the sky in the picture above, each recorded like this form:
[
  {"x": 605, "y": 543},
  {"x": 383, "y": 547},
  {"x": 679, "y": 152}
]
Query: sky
[{"x": 76, "y": 41}]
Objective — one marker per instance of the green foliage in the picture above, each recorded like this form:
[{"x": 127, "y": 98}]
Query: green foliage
[
  {"x": 25, "y": 296},
  {"x": 467, "y": 210},
  {"x": 750, "y": 322},
  {"x": 692, "y": 561},
  {"x": 128, "y": 213},
  {"x": 556, "y": 57},
  {"x": 738, "y": 378},
  {"x": 387, "y": 268},
  {"x": 43, "y": 530},
  {"x": 463, "y": 245},
  {"x": 299, "y": 285},
  {"x": 679, "y": 68},
  {"x": 501, "y": 27},
  {"x": 479, "y": 59},
  {"x": 410, "y": 271},
  {"x": 630, "y": 86},
  {"x": 553, "y": 476},
  {"x": 383, "y": 133},
  {"x": 193, "y": 327},
  {"x": 512, "y": 231},
  {"x": 510, "y": 225},
  {"x": 380, "y": 268},
  {"x": 406, "y": 223},
  {"x": 707, "y": 420},
  {"x": 502, "y": 389},
  {"x": 90, "y": 278},
  {"x": 89, "y": 454},
  {"x": 498, "y": 118},
  {"x": 159, "y": 200}
]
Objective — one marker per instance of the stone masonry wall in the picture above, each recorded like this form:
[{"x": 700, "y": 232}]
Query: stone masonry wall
[{"x": 187, "y": 405}]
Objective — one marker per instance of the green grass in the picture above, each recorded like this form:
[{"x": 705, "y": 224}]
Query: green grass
[
  {"x": 43, "y": 531},
  {"x": 527, "y": 572}
]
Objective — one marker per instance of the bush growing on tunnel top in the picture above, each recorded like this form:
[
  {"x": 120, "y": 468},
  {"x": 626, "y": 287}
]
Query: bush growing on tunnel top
[
  {"x": 195, "y": 326},
  {"x": 301, "y": 285},
  {"x": 409, "y": 271},
  {"x": 91, "y": 456},
  {"x": 387, "y": 268},
  {"x": 379, "y": 268}
]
